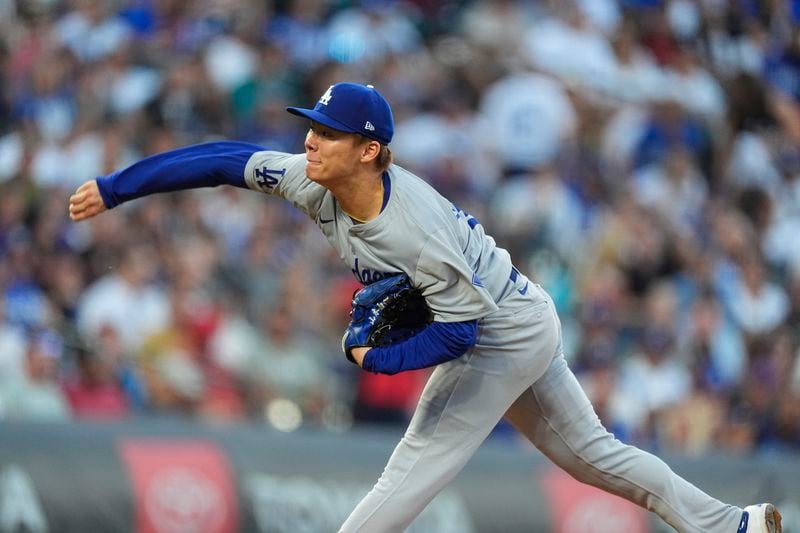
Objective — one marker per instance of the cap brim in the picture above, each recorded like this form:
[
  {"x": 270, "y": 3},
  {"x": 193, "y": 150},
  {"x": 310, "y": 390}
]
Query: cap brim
[{"x": 321, "y": 118}]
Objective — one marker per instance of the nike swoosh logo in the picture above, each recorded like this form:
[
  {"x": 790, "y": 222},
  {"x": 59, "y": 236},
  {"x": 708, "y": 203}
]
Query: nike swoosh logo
[{"x": 325, "y": 221}]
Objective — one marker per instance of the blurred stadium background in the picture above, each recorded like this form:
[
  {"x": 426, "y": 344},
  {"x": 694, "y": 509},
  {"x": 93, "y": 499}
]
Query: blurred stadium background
[{"x": 639, "y": 158}]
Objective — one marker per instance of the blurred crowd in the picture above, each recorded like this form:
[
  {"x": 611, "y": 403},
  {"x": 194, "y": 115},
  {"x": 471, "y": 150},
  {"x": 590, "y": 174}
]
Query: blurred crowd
[{"x": 639, "y": 158}]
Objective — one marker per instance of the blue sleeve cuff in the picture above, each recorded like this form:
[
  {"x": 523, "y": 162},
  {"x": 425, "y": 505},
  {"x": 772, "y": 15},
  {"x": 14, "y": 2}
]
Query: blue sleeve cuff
[
  {"x": 438, "y": 343},
  {"x": 104, "y": 185}
]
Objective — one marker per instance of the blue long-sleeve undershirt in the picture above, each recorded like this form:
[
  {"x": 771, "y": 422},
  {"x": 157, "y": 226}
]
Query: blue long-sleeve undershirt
[
  {"x": 199, "y": 165},
  {"x": 223, "y": 163},
  {"x": 438, "y": 343}
]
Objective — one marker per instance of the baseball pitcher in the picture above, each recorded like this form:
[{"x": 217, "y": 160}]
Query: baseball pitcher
[{"x": 492, "y": 334}]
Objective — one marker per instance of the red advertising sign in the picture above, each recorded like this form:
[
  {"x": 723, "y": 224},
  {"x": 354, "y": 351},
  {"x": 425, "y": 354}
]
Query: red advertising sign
[
  {"x": 180, "y": 486},
  {"x": 579, "y": 508}
]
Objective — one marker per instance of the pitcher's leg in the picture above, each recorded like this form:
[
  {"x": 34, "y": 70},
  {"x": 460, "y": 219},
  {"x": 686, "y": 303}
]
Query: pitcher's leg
[
  {"x": 558, "y": 418},
  {"x": 462, "y": 402},
  {"x": 451, "y": 421}
]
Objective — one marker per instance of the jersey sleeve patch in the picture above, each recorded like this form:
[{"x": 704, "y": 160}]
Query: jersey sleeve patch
[{"x": 266, "y": 170}]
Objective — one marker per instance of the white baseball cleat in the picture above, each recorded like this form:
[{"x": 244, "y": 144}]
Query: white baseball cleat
[{"x": 760, "y": 518}]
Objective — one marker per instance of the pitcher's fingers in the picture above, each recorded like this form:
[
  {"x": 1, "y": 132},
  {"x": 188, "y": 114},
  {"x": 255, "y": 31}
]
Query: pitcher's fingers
[
  {"x": 86, "y": 185},
  {"x": 74, "y": 214},
  {"x": 83, "y": 213},
  {"x": 77, "y": 205},
  {"x": 81, "y": 206},
  {"x": 82, "y": 192}
]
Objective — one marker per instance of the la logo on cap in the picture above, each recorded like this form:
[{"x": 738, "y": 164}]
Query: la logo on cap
[{"x": 325, "y": 98}]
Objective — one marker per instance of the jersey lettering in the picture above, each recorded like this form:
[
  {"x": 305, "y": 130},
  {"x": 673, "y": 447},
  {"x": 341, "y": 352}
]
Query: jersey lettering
[
  {"x": 460, "y": 213},
  {"x": 366, "y": 276},
  {"x": 267, "y": 178}
]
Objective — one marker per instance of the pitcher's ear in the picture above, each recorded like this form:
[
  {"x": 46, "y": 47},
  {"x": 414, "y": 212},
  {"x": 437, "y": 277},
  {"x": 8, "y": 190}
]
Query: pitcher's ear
[{"x": 370, "y": 150}]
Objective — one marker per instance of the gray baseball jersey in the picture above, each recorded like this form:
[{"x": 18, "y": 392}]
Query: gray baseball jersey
[
  {"x": 516, "y": 369},
  {"x": 444, "y": 250}
]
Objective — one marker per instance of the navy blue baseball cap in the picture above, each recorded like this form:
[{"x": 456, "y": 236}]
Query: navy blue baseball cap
[{"x": 352, "y": 108}]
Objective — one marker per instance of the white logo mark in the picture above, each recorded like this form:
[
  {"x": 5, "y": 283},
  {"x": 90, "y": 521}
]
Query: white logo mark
[
  {"x": 369, "y": 126},
  {"x": 327, "y": 96},
  {"x": 181, "y": 499}
]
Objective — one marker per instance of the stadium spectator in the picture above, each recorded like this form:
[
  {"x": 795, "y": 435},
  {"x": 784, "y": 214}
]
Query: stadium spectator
[
  {"x": 37, "y": 396},
  {"x": 94, "y": 392}
]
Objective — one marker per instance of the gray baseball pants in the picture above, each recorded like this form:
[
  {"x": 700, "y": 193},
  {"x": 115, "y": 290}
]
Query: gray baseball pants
[{"x": 517, "y": 370}]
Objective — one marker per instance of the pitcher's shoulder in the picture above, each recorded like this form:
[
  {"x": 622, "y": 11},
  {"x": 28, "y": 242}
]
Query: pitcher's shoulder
[{"x": 415, "y": 195}]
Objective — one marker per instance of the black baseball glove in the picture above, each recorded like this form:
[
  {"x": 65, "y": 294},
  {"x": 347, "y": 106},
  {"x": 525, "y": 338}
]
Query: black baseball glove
[{"x": 385, "y": 312}]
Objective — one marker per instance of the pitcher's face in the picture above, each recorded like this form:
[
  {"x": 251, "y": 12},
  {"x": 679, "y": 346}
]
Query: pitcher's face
[{"x": 331, "y": 154}]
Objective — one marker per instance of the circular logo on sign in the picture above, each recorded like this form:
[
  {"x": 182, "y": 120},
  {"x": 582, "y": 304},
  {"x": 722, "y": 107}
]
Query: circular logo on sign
[{"x": 182, "y": 500}]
